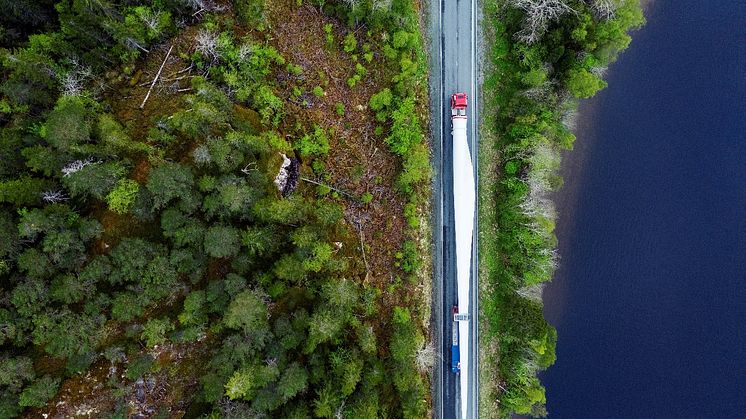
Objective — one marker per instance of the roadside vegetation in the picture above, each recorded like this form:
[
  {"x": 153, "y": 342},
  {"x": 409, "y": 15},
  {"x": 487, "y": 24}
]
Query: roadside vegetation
[
  {"x": 214, "y": 209},
  {"x": 541, "y": 57}
]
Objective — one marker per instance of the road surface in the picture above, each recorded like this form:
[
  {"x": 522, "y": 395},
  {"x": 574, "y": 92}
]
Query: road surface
[{"x": 453, "y": 41}]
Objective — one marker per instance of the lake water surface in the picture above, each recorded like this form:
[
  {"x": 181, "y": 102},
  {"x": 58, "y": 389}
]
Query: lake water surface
[{"x": 650, "y": 298}]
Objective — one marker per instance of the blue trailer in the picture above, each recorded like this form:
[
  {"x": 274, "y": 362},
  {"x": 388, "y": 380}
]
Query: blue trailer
[{"x": 455, "y": 351}]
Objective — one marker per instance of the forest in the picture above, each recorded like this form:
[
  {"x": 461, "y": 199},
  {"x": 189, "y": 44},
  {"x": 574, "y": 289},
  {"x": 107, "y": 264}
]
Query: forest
[
  {"x": 214, "y": 208},
  {"x": 542, "y": 56}
]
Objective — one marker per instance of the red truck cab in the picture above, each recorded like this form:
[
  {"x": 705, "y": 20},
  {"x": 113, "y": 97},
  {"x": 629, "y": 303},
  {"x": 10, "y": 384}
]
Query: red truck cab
[{"x": 459, "y": 102}]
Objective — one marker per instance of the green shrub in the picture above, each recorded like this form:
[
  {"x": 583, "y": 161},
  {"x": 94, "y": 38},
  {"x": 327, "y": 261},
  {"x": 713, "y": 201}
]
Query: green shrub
[
  {"x": 583, "y": 84},
  {"x": 251, "y": 13},
  {"x": 39, "y": 392},
  {"x": 350, "y": 43},
  {"x": 139, "y": 366},
  {"x": 353, "y": 81},
  {"x": 112, "y": 134},
  {"x": 294, "y": 69},
  {"x": 381, "y": 100},
  {"x": 360, "y": 70},
  {"x": 408, "y": 257},
  {"x": 410, "y": 213},
  {"x": 416, "y": 168},
  {"x": 329, "y": 35},
  {"x": 366, "y": 198},
  {"x": 405, "y": 129},
  {"x": 154, "y": 332},
  {"x": 313, "y": 145},
  {"x": 123, "y": 196}
]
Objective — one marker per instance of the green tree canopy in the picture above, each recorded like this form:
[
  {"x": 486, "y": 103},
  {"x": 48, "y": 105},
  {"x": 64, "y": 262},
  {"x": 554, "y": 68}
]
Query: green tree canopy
[
  {"x": 247, "y": 312},
  {"x": 69, "y": 124},
  {"x": 170, "y": 181},
  {"x": 222, "y": 241},
  {"x": 39, "y": 392}
]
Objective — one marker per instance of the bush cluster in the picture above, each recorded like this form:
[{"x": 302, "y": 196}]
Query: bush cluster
[{"x": 399, "y": 110}]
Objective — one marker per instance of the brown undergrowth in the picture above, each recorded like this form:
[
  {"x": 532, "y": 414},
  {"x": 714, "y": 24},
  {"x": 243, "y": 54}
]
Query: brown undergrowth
[
  {"x": 167, "y": 390},
  {"x": 359, "y": 161}
]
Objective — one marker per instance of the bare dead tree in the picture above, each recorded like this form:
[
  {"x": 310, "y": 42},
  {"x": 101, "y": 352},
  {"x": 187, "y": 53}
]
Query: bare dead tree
[
  {"x": 340, "y": 413},
  {"x": 538, "y": 15},
  {"x": 537, "y": 202},
  {"x": 207, "y": 45},
  {"x": 426, "y": 357},
  {"x": 381, "y": 5},
  {"x": 54, "y": 196},
  {"x": 362, "y": 249},
  {"x": 168, "y": 54},
  {"x": 530, "y": 361},
  {"x": 538, "y": 93},
  {"x": 352, "y": 4},
  {"x": 600, "y": 71},
  {"x": 73, "y": 80},
  {"x": 235, "y": 409},
  {"x": 71, "y": 85},
  {"x": 341, "y": 192},
  {"x": 151, "y": 20},
  {"x": 531, "y": 292},
  {"x": 570, "y": 117},
  {"x": 77, "y": 165},
  {"x": 244, "y": 51},
  {"x": 543, "y": 161},
  {"x": 604, "y": 9},
  {"x": 197, "y": 4},
  {"x": 250, "y": 167},
  {"x": 200, "y": 6},
  {"x": 549, "y": 261},
  {"x": 133, "y": 44}
]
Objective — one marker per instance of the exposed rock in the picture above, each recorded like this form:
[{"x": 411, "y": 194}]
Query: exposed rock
[
  {"x": 287, "y": 178},
  {"x": 140, "y": 391}
]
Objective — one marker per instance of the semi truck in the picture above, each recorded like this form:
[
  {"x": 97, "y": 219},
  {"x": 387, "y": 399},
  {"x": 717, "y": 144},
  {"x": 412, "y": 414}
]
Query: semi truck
[{"x": 464, "y": 206}]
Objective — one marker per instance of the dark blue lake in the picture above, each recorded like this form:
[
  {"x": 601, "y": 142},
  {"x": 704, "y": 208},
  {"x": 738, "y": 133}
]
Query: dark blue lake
[{"x": 650, "y": 298}]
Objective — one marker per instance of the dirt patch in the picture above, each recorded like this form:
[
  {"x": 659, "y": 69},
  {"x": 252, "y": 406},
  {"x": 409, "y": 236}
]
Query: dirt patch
[
  {"x": 127, "y": 93},
  {"x": 169, "y": 388},
  {"x": 358, "y": 161}
]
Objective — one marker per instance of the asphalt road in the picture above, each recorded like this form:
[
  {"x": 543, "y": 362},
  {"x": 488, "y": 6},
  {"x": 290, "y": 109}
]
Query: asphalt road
[{"x": 453, "y": 68}]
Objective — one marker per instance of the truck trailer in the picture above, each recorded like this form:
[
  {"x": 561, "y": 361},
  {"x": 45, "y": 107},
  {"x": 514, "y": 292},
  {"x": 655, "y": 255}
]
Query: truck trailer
[
  {"x": 455, "y": 355},
  {"x": 464, "y": 209}
]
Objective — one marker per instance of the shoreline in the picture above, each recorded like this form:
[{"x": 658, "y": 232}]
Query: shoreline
[
  {"x": 574, "y": 168},
  {"x": 574, "y": 171}
]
